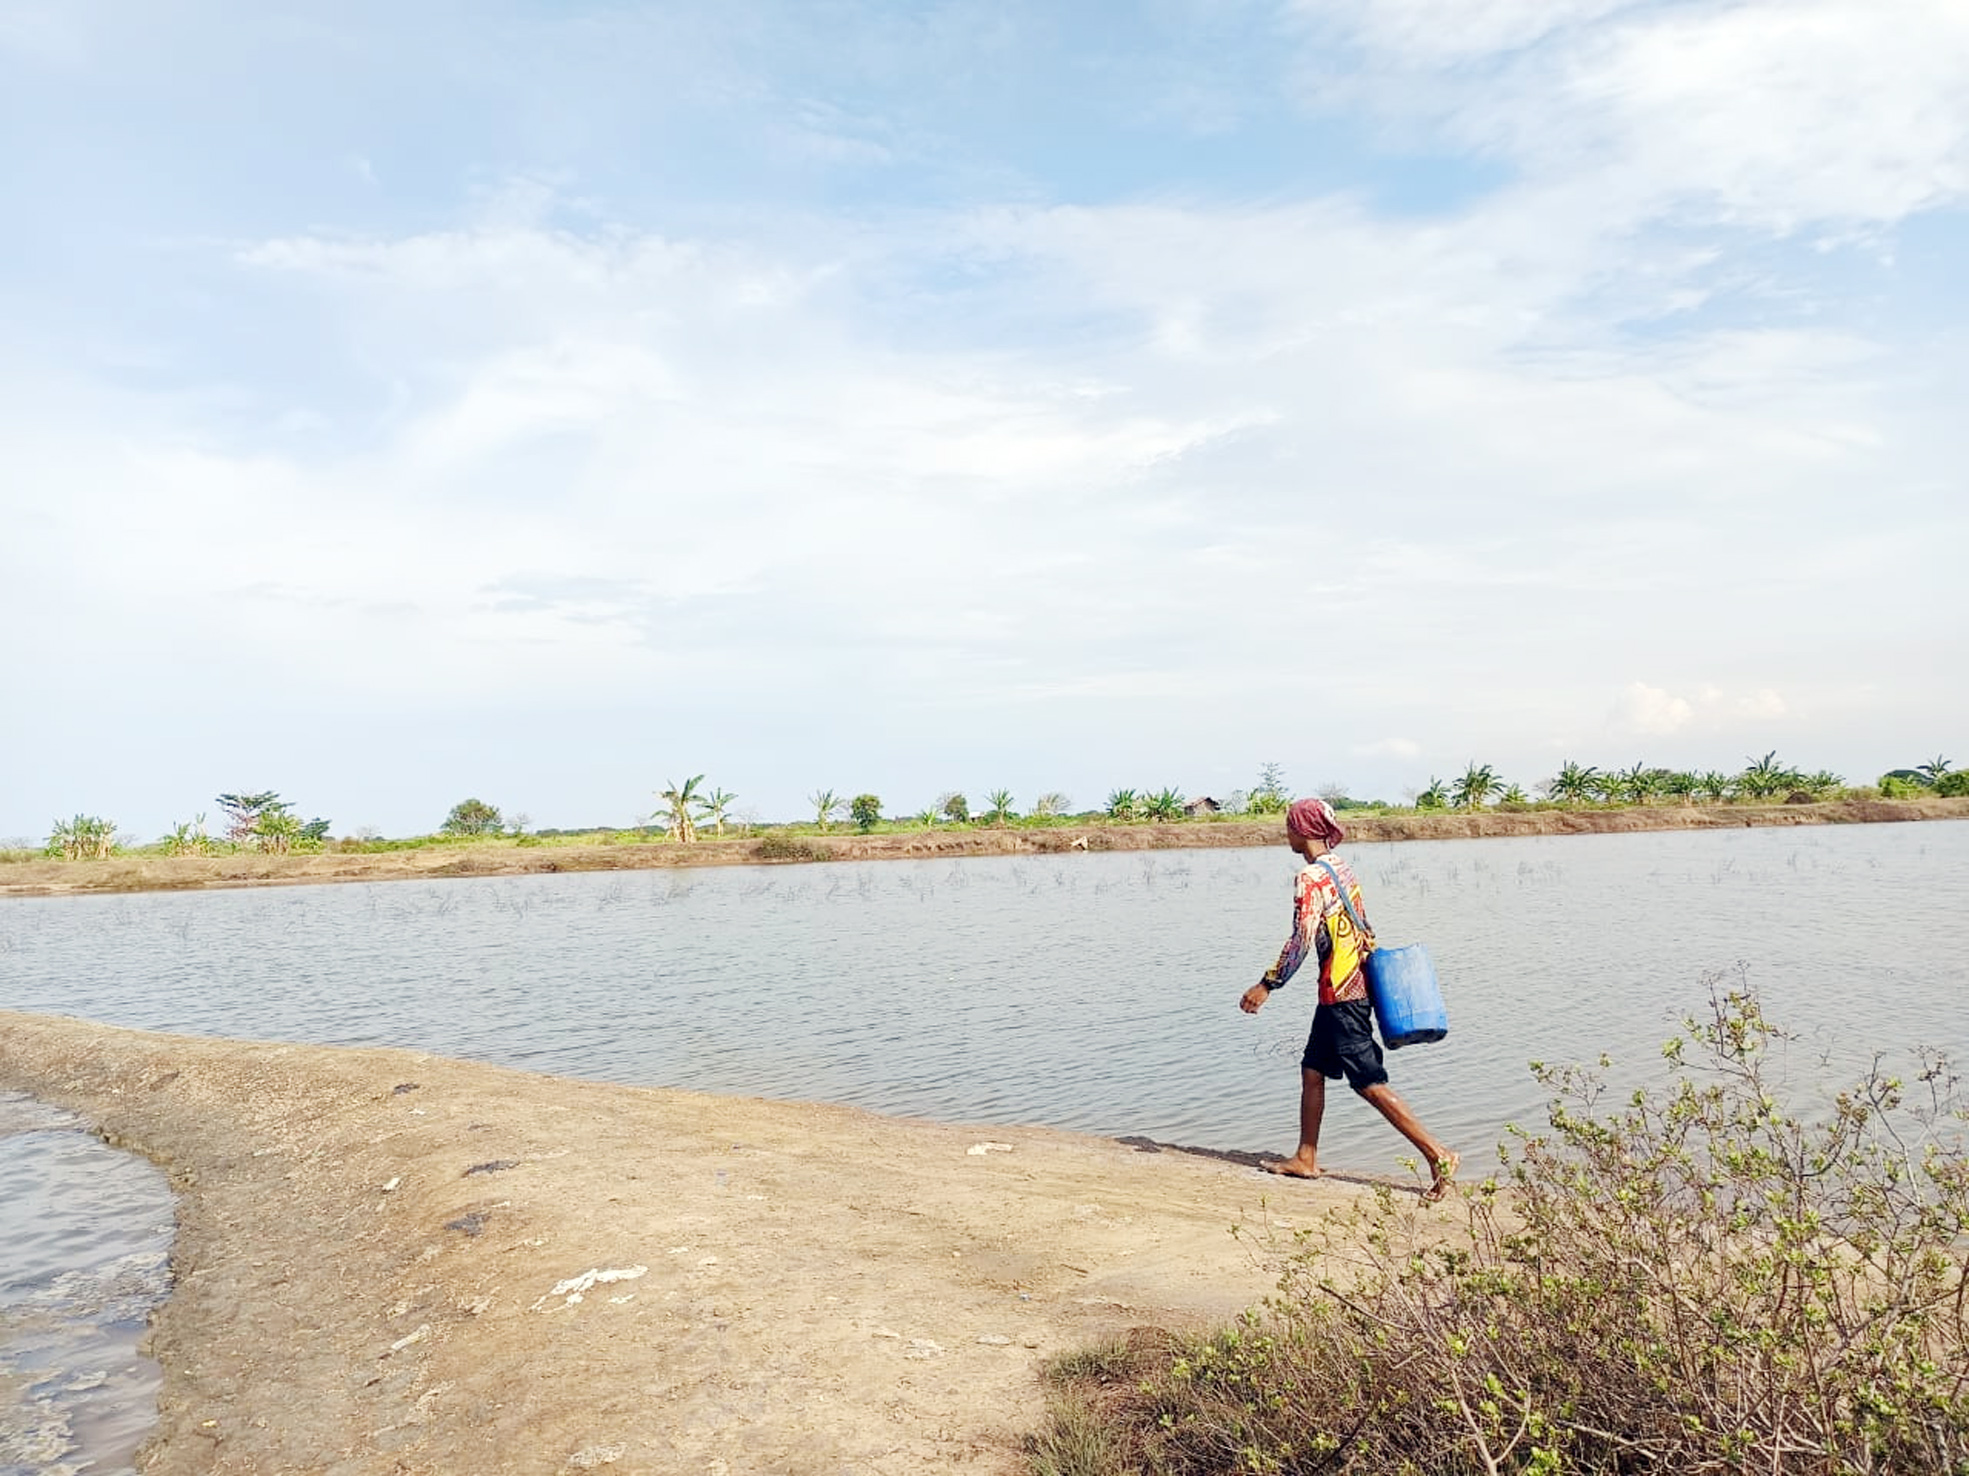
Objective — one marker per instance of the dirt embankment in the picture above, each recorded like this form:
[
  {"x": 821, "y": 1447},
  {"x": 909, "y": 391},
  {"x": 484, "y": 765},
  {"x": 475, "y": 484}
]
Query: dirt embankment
[
  {"x": 394, "y": 1263},
  {"x": 507, "y": 858}
]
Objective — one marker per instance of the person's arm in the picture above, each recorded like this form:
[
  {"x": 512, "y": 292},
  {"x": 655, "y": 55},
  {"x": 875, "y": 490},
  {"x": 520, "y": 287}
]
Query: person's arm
[{"x": 1290, "y": 956}]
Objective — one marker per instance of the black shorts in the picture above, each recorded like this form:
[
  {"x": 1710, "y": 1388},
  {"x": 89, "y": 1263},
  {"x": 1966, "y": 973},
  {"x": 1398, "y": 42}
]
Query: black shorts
[{"x": 1342, "y": 1043}]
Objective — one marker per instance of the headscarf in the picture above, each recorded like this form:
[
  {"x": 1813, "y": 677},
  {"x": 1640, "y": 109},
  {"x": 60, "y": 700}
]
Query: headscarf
[{"x": 1312, "y": 819}]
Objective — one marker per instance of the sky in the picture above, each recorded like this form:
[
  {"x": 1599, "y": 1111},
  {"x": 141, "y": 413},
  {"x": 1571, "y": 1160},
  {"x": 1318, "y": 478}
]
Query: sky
[{"x": 545, "y": 402}]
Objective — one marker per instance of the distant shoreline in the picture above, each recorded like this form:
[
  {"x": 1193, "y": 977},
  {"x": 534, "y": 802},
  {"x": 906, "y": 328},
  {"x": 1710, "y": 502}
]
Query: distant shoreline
[{"x": 118, "y": 874}]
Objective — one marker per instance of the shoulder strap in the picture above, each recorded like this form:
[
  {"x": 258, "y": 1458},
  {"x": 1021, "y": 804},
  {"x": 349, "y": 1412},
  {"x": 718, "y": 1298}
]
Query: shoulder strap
[{"x": 1360, "y": 928}]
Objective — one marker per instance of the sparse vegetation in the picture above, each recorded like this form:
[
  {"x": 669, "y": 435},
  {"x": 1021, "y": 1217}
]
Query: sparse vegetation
[
  {"x": 263, "y": 822},
  {"x": 1702, "y": 1278}
]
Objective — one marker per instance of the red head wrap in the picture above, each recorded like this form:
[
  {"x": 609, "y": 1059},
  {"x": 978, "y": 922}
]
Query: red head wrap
[{"x": 1312, "y": 819}]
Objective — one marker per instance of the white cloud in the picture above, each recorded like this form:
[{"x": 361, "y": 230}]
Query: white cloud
[
  {"x": 1644, "y": 709},
  {"x": 1648, "y": 710},
  {"x": 1769, "y": 113}
]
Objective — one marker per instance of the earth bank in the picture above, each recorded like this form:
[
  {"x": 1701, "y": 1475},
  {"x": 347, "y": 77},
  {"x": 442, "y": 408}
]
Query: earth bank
[
  {"x": 389, "y": 1262},
  {"x": 510, "y": 858}
]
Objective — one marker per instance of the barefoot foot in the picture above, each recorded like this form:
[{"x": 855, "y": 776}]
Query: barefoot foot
[
  {"x": 1294, "y": 1167},
  {"x": 1446, "y": 1167}
]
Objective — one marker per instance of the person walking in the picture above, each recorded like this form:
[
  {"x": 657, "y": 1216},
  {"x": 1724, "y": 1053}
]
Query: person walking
[{"x": 1342, "y": 1040}]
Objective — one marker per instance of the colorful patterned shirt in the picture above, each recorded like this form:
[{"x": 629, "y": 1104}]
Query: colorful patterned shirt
[{"x": 1321, "y": 927}]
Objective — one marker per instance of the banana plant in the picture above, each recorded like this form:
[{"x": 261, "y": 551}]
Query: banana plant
[
  {"x": 827, "y": 805},
  {"x": 679, "y": 803},
  {"x": 1474, "y": 789}
]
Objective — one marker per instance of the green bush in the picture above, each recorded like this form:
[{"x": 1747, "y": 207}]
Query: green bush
[
  {"x": 1696, "y": 1280},
  {"x": 1953, "y": 785},
  {"x": 777, "y": 845}
]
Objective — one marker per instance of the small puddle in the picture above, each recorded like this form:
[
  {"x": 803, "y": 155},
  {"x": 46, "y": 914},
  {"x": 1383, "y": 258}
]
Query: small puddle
[{"x": 85, "y": 1241}]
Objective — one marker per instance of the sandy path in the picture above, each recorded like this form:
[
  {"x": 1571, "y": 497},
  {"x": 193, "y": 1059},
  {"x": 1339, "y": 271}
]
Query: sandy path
[{"x": 370, "y": 1242}]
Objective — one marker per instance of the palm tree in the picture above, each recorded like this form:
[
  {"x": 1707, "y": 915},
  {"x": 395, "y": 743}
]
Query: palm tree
[
  {"x": 1434, "y": 797},
  {"x": 1573, "y": 784},
  {"x": 1121, "y": 805},
  {"x": 714, "y": 805},
  {"x": 678, "y": 801},
  {"x": 1164, "y": 804},
  {"x": 1822, "y": 785},
  {"x": 998, "y": 806},
  {"x": 1514, "y": 794},
  {"x": 1474, "y": 789},
  {"x": 1934, "y": 768},
  {"x": 827, "y": 804}
]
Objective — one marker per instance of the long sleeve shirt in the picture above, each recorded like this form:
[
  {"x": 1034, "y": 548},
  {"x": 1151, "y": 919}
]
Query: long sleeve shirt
[{"x": 1322, "y": 929}]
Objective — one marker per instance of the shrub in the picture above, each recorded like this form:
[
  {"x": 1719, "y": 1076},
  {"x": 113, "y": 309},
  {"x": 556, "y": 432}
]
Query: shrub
[
  {"x": 473, "y": 817},
  {"x": 777, "y": 845},
  {"x": 1698, "y": 1280},
  {"x": 1953, "y": 785}
]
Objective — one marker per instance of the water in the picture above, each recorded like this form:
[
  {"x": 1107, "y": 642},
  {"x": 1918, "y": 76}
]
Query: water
[
  {"x": 1091, "y": 992},
  {"x": 84, "y": 1239}
]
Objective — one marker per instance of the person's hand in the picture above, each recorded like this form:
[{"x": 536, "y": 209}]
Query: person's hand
[{"x": 1256, "y": 995}]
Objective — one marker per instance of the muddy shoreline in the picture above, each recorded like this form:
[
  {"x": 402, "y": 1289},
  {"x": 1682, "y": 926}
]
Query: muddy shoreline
[
  {"x": 389, "y": 1262},
  {"x": 507, "y": 858}
]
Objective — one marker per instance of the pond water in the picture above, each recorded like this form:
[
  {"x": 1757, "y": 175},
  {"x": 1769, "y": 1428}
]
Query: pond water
[
  {"x": 1095, "y": 992},
  {"x": 1090, "y": 992},
  {"x": 85, "y": 1234}
]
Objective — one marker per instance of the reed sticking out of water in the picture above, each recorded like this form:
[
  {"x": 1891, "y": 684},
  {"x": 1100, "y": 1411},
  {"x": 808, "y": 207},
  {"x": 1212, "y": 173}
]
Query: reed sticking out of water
[{"x": 1700, "y": 1279}]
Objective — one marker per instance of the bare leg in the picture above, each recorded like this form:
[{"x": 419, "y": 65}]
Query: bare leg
[
  {"x": 1312, "y": 1109},
  {"x": 1442, "y": 1162}
]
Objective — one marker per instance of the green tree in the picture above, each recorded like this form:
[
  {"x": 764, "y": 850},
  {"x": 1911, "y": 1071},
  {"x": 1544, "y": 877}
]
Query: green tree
[
  {"x": 1713, "y": 785},
  {"x": 278, "y": 829},
  {"x": 188, "y": 838},
  {"x": 715, "y": 806},
  {"x": 998, "y": 806},
  {"x": 1935, "y": 768},
  {"x": 678, "y": 811},
  {"x": 84, "y": 838},
  {"x": 954, "y": 807},
  {"x": 866, "y": 811},
  {"x": 1822, "y": 784},
  {"x": 1638, "y": 785},
  {"x": 1762, "y": 778},
  {"x": 827, "y": 804},
  {"x": 1163, "y": 805},
  {"x": 1269, "y": 796},
  {"x": 1953, "y": 785},
  {"x": 473, "y": 817},
  {"x": 1434, "y": 796},
  {"x": 1121, "y": 805},
  {"x": 1573, "y": 784},
  {"x": 1680, "y": 784},
  {"x": 1474, "y": 789},
  {"x": 243, "y": 811}
]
